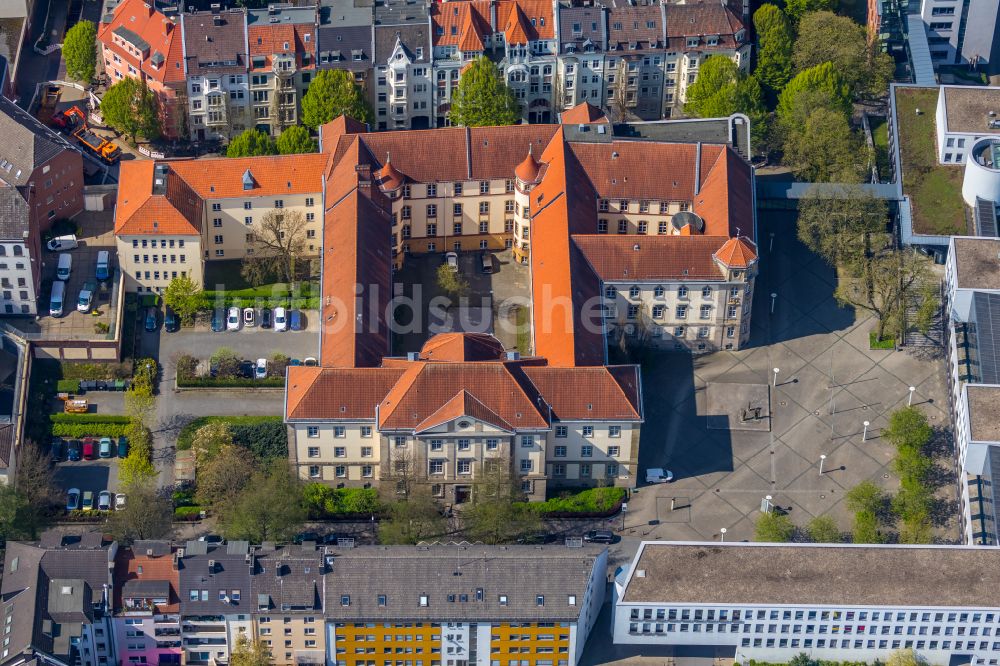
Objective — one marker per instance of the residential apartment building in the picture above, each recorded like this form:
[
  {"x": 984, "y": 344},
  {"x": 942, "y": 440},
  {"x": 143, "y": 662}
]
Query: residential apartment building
[
  {"x": 172, "y": 216},
  {"x": 458, "y": 605},
  {"x": 55, "y": 601},
  {"x": 444, "y": 416},
  {"x": 404, "y": 77},
  {"x": 147, "y": 625},
  {"x": 283, "y": 54},
  {"x": 345, "y": 39},
  {"x": 215, "y": 599},
  {"x": 519, "y": 34},
  {"x": 771, "y": 602},
  {"x": 138, "y": 41},
  {"x": 41, "y": 180},
  {"x": 216, "y": 68},
  {"x": 963, "y": 33},
  {"x": 288, "y": 585}
]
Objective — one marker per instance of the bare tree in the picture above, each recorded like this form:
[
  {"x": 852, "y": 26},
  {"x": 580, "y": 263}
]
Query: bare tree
[
  {"x": 883, "y": 283},
  {"x": 620, "y": 98},
  {"x": 499, "y": 513},
  {"x": 279, "y": 242},
  {"x": 35, "y": 484}
]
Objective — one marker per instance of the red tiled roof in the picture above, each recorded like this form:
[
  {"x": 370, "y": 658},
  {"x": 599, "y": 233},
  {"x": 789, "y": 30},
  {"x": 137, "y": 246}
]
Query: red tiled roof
[
  {"x": 453, "y": 19},
  {"x": 139, "y": 212},
  {"x": 725, "y": 200},
  {"x": 463, "y": 404},
  {"x": 462, "y": 347},
  {"x": 222, "y": 177},
  {"x": 130, "y": 566},
  {"x": 467, "y": 23},
  {"x": 341, "y": 393},
  {"x": 527, "y": 171},
  {"x": 651, "y": 258},
  {"x": 388, "y": 177},
  {"x": 701, "y": 19},
  {"x": 270, "y": 39},
  {"x": 583, "y": 113},
  {"x": 737, "y": 253},
  {"x": 153, "y": 27},
  {"x": 612, "y": 392},
  {"x": 426, "y": 387},
  {"x": 536, "y": 17}
]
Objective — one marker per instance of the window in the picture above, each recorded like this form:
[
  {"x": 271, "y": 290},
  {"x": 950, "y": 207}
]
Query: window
[
  {"x": 614, "y": 431},
  {"x": 431, "y": 212},
  {"x": 492, "y": 444},
  {"x": 526, "y": 465},
  {"x": 633, "y": 292},
  {"x": 464, "y": 444},
  {"x": 561, "y": 431},
  {"x": 587, "y": 431},
  {"x": 623, "y": 226},
  {"x": 681, "y": 312},
  {"x": 340, "y": 452},
  {"x": 437, "y": 445},
  {"x": 366, "y": 431},
  {"x": 464, "y": 466},
  {"x": 339, "y": 431},
  {"x": 705, "y": 312},
  {"x": 614, "y": 451},
  {"x": 458, "y": 189},
  {"x": 527, "y": 441},
  {"x": 436, "y": 467},
  {"x": 314, "y": 452},
  {"x": 340, "y": 471},
  {"x": 366, "y": 452},
  {"x": 586, "y": 451},
  {"x": 658, "y": 311}
]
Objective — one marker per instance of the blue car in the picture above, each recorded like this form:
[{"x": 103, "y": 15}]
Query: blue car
[{"x": 295, "y": 320}]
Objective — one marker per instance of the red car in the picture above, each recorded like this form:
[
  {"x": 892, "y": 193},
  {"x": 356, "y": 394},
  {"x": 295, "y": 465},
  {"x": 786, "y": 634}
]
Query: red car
[{"x": 89, "y": 449}]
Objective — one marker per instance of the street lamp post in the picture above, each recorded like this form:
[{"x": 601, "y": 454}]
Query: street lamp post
[
  {"x": 770, "y": 247},
  {"x": 723, "y": 533},
  {"x": 864, "y": 435},
  {"x": 774, "y": 296},
  {"x": 776, "y": 370},
  {"x": 822, "y": 461},
  {"x": 909, "y": 402}
]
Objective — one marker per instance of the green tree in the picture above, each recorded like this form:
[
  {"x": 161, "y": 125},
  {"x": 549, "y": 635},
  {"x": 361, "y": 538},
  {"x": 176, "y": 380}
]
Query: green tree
[
  {"x": 12, "y": 506},
  {"x": 865, "y": 528},
  {"x": 713, "y": 93},
  {"x": 331, "y": 94},
  {"x": 251, "y": 143},
  {"x": 836, "y": 224},
  {"x": 137, "y": 467},
  {"x": 883, "y": 283},
  {"x": 451, "y": 282},
  {"x": 824, "y": 149},
  {"x": 79, "y": 49},
  {"x": 413, "y": 519},
  {"x": 223, "y": 475},
  {"x": 146, "y": 515},
  {"x": 269, "y": 508},
  {"x": 823, "y": 529},
  {"x": 930, "y": 304},
  {"x": 209, "y": 440},
  {"x": 773, "y": 527},
  {"x": 296, "y": 139},
  {"x": 483, "y": 98},
  {"x": 775, "y": 39},
  {"x": 247, "y": 653},
  {"x": 130, "y": 107},
  {"x": 866, "y": 501},
  {"x": 908, "y": 429},
  {"x": 796, "y": 9},
  {"x": 812, "y": 88},
  {"x": 803, "y": 659},
  {"x": 826, "y": 37},
  {"x": 226, "y": 362},
  {"x": 497, "y": 513},
  {"x": 183, "y": 296},
  {"x": 905, "y": 658}
]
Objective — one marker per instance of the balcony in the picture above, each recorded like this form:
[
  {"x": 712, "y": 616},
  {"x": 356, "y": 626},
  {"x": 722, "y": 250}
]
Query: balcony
[
  {"x": 198, "y": 642},
  {"x": 204, "y": 629},
  {"x": 169, "y": 631},
  {"x": 283, "y": 66}
]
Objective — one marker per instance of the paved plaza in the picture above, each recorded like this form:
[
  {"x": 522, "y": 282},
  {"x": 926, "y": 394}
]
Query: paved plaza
[{"x": 829, "y": 383}]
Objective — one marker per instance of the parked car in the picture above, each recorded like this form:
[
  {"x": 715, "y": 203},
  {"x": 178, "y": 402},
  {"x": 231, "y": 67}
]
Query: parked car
[
  {"x": 103, "y": 265},
  {"x": 88, "y": 448},
  {"x": 64, "y": 267},
  {"x": 171, "y": 322},
  {"x": 486, "y": 261},
  {"x": 246, "y": 369},
  {"x": 233, "y": 319},
  {"x": 73, "y": 450},
  {"x": 218, "y": 320},
  {"x": 104, "y": 501},
  {"x": 599, "y": 536},
  {"x": 295, "y": 321},
  {"x": 260, "y": 370},
  {"x": 86, "y": 298},
  {"x": 659, "y": 475},
  {"x": 294, "y": 361},
  {"x": 88, "y": 500},
  {"x": 451, "y": 258},
  {"x": 280, "y": 319},
  {"x": 119, "y": 501},
  {"x": 105, "y": 449},
  {"x": 265, "y": 318},
  {"x": 61, "y": 243},
  {"x": 122, "y": 446},
  {"x": 310, "y": 362},
  {"x": 56, "y": 298},
  {"x": 73, "y": 499},
  {"x": 249, "y": 317},
  {"x": 58, "y": 450},
  {"x": 151, "y": 319}
]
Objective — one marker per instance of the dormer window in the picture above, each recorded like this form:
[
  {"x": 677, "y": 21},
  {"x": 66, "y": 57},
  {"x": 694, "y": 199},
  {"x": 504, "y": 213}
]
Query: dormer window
[
  {"x": 248, "y": 181},
  {"x": 692, "y": 42}
]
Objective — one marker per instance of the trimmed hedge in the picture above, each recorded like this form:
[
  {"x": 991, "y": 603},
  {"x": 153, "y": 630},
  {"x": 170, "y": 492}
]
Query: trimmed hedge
[
  {"x": 68, "y": 386},
  {"x": 592, "y": 502},
  {"x": 322, "y": 501},
  {"x": 229, "y": 382},
  {"x": 188, "y": 513},
  {"x": 237, "y": 425},
  {"x": 76, "y": 431},
  {"x": 77, "y": 370},
  {"x": 88, "y": 418},
  {"x": 228, "y": 300}
]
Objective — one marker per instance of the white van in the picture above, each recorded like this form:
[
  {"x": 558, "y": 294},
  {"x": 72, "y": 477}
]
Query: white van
[
  {"x": 65, "y": 266},
  {"x": 62, "y": 243},
  {"x": 103, "y": 265},
  {"x": 56, "y": 301}
]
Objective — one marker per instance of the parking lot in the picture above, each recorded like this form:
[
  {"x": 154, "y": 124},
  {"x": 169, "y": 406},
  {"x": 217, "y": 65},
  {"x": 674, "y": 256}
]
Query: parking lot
[
  {"x": 431, "y": 311},
  {"x": 92, "y": 475},
  {"x": 96, "y": 234}
]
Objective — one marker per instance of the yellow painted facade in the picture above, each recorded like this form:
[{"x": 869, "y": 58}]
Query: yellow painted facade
[{"x": 538, "y": 643}]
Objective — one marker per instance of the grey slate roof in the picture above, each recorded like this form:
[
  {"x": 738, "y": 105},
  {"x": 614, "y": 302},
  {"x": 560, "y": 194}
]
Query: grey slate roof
[
  {"x": 411, "y": 37},
  {"x": 401, "y": 12},
  {"x": 27, "y": 144},
  {"x": 591, "y": 23},
  {"x": 227, "y": 574},
  {"x": 288, "y": 579},
  {"x": 215, "y": 43},
  {"x": 15, "y": 218},
  {"x": 460, "y": 583},
  {"x": 338, "y": 43},
  {"x": 31, "y": 593}
]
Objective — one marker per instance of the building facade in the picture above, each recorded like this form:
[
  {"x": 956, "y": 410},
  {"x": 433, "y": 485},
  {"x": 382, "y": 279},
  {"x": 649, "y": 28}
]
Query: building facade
[
  {"x": 147, "y": 628},
  {"x": 770, "y": 602},
  {"x": 288, "y": 586},
  {"x": 962, "y": 33}
]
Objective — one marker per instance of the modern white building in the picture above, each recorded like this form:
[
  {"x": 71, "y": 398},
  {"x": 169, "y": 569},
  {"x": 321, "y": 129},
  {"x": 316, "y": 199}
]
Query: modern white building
[
  {"x": 838, "y": 602},
  {"x": 964, "y": 115},
  {"x": 962, "y": 32}
]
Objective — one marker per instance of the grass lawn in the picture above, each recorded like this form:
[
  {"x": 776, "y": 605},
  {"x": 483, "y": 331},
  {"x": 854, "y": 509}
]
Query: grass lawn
[
  {"x": 935, "y": 191},
  {"x": 880, "y": 137}
]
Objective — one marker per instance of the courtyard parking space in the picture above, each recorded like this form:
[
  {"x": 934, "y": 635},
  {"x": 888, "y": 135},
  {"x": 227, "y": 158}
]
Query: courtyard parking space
[
  {"x": 702, "y": 420},
  {"x": 96, "y": 234},
  {"x": 92, "y": 475},
  {"x": 489, "y": 306}
]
